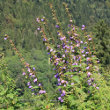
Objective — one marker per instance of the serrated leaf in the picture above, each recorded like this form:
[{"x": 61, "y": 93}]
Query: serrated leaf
[
  {"x": 10, "y": 95},
  {"x": 60, "y": 87},
  {"x": 69, "y": 86},
  {"x": 2, "y": 90},
  {"x": 76, "y": 78},
  {"x": 18, "y": 89},
  {"x": 10, "y": 108}
]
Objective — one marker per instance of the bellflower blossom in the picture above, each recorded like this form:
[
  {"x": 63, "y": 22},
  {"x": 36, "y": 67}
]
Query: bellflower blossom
[
  {"x": 35, "y": 80},
  {"x": 89, "y": 74},
  {"x": 42, "y": 92},
  {"x": 5, "y": 38},
  {"x": 57, "y": 26},
  {"x": 24, "y": 73},
  {"x": 83, "y": 27}
]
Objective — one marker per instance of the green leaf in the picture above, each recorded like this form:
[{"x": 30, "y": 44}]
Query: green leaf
[
  {"x": 60, "y": 87},
  {"x": 76, "y": 66},
  {"x": 18, "y": 89},
  {"x": 35, "y": 87},
  {"x": 10, "y": 96},
  {"x": 2, "y": 90},
  {"x": 69, "y": 86},
  {"x": 69, "y": 73},
  {"x": 10, "y": 108},
  {"x": 76, "y": 78}
]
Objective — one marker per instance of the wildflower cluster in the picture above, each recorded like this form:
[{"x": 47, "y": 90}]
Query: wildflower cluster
[
  {"x": 28, "y": 72},
  {"x": 73, "y": 59}
]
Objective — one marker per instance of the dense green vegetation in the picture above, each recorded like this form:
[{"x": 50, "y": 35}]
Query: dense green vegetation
[{"x": 18, "y": 20}]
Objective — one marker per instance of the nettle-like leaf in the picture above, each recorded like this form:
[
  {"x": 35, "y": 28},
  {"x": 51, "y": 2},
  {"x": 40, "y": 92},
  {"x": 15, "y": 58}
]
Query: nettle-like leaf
[
  {"x": 69, "y": 86},
  {"x": 3, "y": 90},
  {"x": 71, "y": 99},
  {"x": 76, "y": 79},
  {"x": 11, "y": 96},
  {"x": 60, "y": 87}
]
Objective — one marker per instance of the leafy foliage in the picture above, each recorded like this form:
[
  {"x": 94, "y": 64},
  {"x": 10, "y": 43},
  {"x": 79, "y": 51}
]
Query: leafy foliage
[{"x": 18, "y": 20}]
